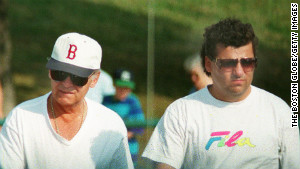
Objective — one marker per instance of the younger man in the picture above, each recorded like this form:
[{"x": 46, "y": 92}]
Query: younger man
[{"x": 230, "y": 123}]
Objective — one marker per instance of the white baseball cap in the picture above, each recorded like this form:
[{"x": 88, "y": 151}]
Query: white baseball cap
[{"x": 76, "y": 54}]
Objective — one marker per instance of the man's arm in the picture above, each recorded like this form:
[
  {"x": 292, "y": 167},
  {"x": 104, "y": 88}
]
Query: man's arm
[
  {"x": 11, "y": 149},
  {"x": 290, "y": 149},
  {"x": 167, "y": 143},
  {"x": 289, "y": 153}
]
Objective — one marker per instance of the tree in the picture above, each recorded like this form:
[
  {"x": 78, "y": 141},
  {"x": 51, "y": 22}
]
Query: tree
[{"x": 7, "y": 102}]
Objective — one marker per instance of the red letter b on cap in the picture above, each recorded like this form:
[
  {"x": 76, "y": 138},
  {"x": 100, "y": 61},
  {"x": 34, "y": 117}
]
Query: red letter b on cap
[{"x": 74, "y": 47}]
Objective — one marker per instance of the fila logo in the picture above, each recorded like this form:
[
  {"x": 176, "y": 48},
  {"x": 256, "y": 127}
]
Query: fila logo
[
  {"x": 71, "y": 53},
  {"x": 231, "y": 142}
]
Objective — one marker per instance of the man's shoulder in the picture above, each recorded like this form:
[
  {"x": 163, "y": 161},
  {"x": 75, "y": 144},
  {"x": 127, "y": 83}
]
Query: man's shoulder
[
  {"x": 191, "y": 101},
  {"x": 268, "y": 96},
  {"x": 199, "y": 97},
  {"x": 97, "y": 107},
  {"x": 28, "y": 109},
  {"x": 34, "y": 103},
  {"x": 271, "y": 101}
]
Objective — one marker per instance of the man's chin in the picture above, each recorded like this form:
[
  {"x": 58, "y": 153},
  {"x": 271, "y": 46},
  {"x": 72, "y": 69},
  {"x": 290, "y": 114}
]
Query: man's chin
[{"x": 238, "y": 90}]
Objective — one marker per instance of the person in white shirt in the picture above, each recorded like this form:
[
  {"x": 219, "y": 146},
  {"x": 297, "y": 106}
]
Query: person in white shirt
[
  {"x": 229, "y": 124},
  {"x": 104, "y": 87},
  {"x": 63, "y": 129}
]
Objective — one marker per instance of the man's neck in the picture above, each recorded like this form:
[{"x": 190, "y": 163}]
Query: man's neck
[{"x": 228, "y": 97}]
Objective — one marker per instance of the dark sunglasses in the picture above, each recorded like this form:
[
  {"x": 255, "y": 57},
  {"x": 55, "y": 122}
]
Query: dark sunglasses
[
  {"x": 228, "y": 65},
  {"x": 61, "y": 76}
]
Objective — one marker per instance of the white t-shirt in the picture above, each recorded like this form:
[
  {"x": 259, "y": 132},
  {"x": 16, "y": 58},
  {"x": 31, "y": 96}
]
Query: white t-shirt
[
  {"x": 201, "y": 132},
  {"x": 104, "y": 87},
  {"x": 27, "y": 140}
]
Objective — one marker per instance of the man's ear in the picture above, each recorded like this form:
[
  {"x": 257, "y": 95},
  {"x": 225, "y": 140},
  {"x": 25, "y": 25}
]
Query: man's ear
[
  {"x": 208, "y": 64},
  {"x": 94, "y": 79}
]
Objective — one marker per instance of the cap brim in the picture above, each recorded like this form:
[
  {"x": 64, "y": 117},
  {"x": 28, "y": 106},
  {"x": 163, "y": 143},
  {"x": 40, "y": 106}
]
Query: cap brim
[
  {"x": 121, "y": 83},
  {"x": 65, "y": 67}
]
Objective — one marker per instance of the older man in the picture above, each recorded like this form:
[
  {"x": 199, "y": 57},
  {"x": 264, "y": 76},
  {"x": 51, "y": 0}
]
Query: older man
[{"x": 62, "y": 129}]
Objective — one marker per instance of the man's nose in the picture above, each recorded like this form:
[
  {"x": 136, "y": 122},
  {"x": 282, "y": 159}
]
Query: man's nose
[
  {"x": 238, "y": 70},
  {"x": 67, "y": 82}
]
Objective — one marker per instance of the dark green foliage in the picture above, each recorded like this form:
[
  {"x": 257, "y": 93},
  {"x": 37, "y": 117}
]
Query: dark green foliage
[{"x": 121, "y": 29}]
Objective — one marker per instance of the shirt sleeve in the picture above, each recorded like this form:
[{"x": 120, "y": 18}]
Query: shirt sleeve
[
  {"x": 11, "y": 149},
  {"x": 122, "y": 157},
  {"x": 167, "y": 143}
]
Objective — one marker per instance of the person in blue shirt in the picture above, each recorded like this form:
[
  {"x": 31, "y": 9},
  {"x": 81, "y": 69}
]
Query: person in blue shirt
[{"x": 128, "y": 106}]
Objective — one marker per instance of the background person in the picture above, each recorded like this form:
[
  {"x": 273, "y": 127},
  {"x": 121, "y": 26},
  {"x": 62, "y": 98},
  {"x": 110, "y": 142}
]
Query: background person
[
  {"x": 193, "y": 65},
  {"x": 104, "y": 87},
  {"x": 62, "y": 129},
  {"x": 230, "y": 123},
  {"x": 128, "y": 106}
]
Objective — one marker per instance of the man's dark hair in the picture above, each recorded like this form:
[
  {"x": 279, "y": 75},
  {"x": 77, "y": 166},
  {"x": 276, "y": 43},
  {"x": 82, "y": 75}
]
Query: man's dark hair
[{"x": 227, "y": 32}]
